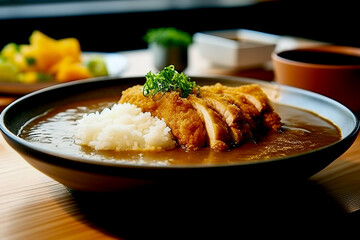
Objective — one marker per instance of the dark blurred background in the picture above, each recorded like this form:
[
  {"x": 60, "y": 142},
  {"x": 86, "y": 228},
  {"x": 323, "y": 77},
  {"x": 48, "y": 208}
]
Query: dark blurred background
[{"x": 116, "y": 25}]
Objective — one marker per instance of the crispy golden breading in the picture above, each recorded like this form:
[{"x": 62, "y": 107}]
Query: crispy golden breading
[{"x": 185, "y": 123}]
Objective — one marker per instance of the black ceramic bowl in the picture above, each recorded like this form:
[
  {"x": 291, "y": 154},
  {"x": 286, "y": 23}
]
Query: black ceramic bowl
[{"x": 89, "y": 175}]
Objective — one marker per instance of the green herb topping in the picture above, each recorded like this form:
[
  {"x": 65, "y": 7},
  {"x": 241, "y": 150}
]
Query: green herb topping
[{"x": 167, "y": 80}]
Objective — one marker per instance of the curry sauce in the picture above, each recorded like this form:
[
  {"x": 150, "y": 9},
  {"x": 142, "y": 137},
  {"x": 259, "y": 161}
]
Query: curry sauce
[{"x": 302, "y": 131}]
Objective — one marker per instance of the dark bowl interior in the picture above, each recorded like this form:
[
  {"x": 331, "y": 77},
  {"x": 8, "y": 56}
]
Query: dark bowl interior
[
  {"x": 86, "y": 174},
  {"x": 320, "y": 57}
]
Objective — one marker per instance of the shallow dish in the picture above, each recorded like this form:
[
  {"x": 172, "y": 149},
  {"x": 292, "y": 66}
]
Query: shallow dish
[
  {"x": 115, "y": 63},
  {"x": 87, "y": 174},
  {"x": 237, "y": 49}
]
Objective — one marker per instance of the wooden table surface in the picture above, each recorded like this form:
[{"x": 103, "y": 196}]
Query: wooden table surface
[{"x": 33, "y": 206}]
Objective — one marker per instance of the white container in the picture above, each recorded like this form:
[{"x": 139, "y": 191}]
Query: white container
[{"x": 239, "y": 48}]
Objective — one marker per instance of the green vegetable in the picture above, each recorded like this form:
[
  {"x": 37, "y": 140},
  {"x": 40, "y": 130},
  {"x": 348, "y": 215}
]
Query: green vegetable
[
  {"x": 8, "y": 71},
  {"x": 97, "y": 66},
  {"x": 43, "y": 77},
  {"x": 167, "y": 80},
  {"x": 10, "y": 48},
  {"x": 168, "y": 37},
  {"x": 30, "y": 61}
]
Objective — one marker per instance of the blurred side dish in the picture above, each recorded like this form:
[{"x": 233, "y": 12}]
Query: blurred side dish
[{"x": 45, "y": 59}]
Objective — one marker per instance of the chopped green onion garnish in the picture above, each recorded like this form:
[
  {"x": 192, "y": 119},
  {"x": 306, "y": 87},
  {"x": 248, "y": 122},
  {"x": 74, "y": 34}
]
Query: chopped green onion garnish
[{"x": 167, "y": 80}]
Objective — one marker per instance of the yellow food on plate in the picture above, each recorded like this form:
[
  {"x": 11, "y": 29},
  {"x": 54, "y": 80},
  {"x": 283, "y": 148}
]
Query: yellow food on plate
[{"x": 46, "y": 59}]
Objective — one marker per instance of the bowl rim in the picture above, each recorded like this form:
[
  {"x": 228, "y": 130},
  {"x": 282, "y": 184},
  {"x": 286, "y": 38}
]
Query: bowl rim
[
  {"x": 64, "y": 159},
  {"x": 347, "y": 50}
]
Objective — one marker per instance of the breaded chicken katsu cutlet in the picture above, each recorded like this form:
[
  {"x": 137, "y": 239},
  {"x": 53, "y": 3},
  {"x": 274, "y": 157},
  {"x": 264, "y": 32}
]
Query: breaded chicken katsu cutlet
[{"x": 217, "y": 116}]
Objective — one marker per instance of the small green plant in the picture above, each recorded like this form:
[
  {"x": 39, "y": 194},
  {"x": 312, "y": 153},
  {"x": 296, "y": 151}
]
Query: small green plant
[{"x": 168, "y": 37}]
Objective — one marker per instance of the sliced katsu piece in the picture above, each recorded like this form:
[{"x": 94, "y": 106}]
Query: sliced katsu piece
[
  {"x": 238, "y": 126},
  {"x": 271, "y": 119},
  {"x": 253, "y": 103},
  {"x": 216, "y": 128},
  {"x": 248, "y": 109}
]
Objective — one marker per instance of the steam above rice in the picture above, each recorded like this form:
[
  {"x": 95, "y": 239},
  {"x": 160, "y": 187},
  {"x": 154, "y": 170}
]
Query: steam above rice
[{"x": 123, "y": 127}]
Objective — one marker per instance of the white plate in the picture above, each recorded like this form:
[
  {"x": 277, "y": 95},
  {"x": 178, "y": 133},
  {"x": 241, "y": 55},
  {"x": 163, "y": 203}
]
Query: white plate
[{"x": 115, "y": 63}]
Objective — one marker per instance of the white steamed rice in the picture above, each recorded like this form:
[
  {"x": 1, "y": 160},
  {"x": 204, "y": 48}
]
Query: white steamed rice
[{"x": 123, "y": 127}]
